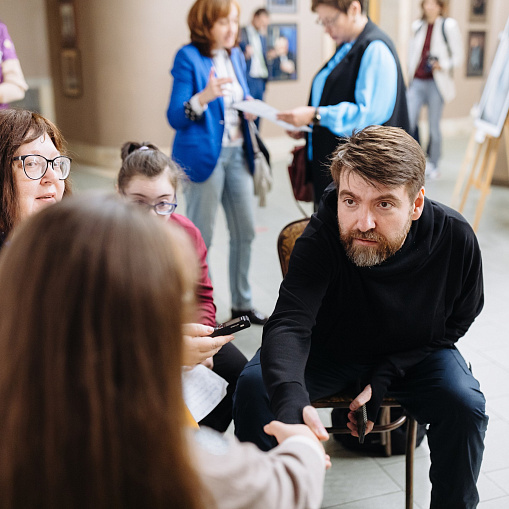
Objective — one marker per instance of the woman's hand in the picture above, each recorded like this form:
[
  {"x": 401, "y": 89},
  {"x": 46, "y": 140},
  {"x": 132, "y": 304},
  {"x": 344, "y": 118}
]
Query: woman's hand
[
  {"x": 216, "y": 87},
  {"x": 282, "y": 431},
  {"x": 298, "y": 117},
  {"x": 198, "y": 345}
]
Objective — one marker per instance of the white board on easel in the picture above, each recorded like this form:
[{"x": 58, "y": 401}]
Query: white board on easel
[{"x": 494, "y": 104}]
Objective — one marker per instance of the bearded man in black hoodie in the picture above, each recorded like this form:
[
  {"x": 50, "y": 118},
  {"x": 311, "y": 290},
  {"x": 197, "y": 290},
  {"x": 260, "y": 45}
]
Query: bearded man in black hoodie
[{"x": 380, "y": 286}]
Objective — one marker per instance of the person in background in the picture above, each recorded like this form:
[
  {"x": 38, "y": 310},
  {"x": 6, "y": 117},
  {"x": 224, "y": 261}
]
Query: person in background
[
  {"x": 12, "y": 82},
  {"x": 106, "y": 290},
  {"x": 435, "y": 50},
  {"x": 212, "y": 142},
  {"x": 253, "y": 42},
  {"x": 380, "y": 287},
  {"x": 34, "y": 169},
  {"x": 150, "y": 179},
  {"x": 360, "y": 85}
]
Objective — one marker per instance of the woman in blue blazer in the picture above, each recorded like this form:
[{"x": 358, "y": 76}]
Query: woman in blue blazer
[{"x": 212, "y": 142}]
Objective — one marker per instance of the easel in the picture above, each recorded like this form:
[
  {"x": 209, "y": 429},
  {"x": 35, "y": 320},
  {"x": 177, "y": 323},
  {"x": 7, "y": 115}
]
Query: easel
[{"x": 482, "y": 149}]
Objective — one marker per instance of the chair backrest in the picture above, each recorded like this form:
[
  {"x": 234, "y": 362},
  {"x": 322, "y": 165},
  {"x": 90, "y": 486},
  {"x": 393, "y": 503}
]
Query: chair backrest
[{"x": 286, "y": 240}]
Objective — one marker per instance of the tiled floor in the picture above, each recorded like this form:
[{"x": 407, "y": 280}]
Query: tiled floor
[{"x": 358, "y": 481}]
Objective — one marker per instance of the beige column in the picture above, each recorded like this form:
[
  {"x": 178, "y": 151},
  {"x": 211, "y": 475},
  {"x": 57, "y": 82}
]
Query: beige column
[{"x": 120, "y": 88}]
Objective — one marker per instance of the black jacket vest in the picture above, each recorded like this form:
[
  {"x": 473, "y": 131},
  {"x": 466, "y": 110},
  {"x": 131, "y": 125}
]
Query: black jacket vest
[{"x": 339, "y": 87}]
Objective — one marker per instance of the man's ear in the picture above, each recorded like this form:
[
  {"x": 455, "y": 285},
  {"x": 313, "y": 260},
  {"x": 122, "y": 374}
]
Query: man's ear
[{"x": 418, "y": 205}]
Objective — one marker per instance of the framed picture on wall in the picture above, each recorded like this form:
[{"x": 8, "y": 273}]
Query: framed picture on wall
[
  {"x": 475, "y": 57},
  {"x": 477, "y": 12},
  {"x": 494, "y": 103},
  {"x": 70, "y": 63},
  {"x": 282, "y": 51},
  {"x": 282, "y": 5},
  {"x": 67, "y": 25}
]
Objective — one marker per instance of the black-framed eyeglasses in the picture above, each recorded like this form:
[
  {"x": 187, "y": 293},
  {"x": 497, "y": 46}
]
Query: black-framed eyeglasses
[
  {"x": 328, "y": 22},
  {"x": 36, "y": 166},
  {"x": 163, "y": 208}
]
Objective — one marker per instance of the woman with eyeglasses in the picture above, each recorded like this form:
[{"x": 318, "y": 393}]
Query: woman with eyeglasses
[
  {"x": 34, "y": 169},
  {"x": 360, "y": 85},
  {"x": 150, "y": 179}
]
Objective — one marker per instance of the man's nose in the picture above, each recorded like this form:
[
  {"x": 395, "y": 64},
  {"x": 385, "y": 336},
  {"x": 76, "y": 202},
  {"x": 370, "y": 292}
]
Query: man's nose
[{"x": 366, "y": 220}]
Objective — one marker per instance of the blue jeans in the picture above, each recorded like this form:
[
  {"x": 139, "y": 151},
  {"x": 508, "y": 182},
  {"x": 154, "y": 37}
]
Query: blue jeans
[
  {"x": 231, "y": 184},
  {"x": 425, "y": 93},
  {"x": 439, "y": 391}
]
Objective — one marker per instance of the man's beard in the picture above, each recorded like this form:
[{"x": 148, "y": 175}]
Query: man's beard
[{"x": 369, "y": 256}]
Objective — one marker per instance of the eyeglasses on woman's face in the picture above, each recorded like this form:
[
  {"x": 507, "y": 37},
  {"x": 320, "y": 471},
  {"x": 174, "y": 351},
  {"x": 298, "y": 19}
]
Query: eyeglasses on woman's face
[
  {"x": 163, "y": 208},
  {"x": 36, "y": 166},
  {"x": 328, "y": 22}
]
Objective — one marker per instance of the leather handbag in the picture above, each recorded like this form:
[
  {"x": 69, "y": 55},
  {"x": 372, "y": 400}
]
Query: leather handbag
[
  {"x": 262, "y": 175},
  {"x": 302, "y": 190}
]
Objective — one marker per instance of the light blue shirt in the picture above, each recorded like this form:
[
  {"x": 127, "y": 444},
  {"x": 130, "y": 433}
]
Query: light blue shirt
[{"x": 375, "y": 92}]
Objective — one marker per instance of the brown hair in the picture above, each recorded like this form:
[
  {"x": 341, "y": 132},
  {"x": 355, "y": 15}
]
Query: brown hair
[
  {"x": 441, "y": 3},
  {"x": 202, "y": 17},
  {"x": 91, "y": 408},
  {"x": 146, "y": 160},
  {"x": 381, "y": 155},
  {"x": 340, "y": 5},
  {"x": 18, "y": 127}
]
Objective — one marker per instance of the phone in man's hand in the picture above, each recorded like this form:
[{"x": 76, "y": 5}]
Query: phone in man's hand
[
  {"x": 361, "y": 417},
  {"x": 232, "y": 326}
]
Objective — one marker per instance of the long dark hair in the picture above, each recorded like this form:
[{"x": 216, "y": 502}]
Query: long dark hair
[{"x": 91, "y": 410}]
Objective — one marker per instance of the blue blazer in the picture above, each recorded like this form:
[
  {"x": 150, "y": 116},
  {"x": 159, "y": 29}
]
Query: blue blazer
[{"x": 197, "y": 143}]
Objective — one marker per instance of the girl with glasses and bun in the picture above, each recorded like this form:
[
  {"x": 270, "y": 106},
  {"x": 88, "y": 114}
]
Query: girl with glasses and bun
[
  {"x": 91, "y": 407},
  {"x": 33, "y": 167},
  {"x": 150, "y": 179}
]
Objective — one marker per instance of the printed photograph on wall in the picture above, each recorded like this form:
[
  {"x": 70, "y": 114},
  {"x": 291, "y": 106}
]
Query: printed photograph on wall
[
  {"x": 282, "y": 52},
  {"x": 478, "y": 10},
  {"x": 282, "y": 5},
  {"x": 70, "y": 63},
  {"x": 475, "y": 57},
  {"x": 67, "y": 25}
]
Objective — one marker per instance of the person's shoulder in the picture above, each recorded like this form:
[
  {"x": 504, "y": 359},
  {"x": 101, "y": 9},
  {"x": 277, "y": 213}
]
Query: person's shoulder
[
  {"x": 184, "y": 222},
  {"x": 454, "y": 221},
  {"x": 417, "y": 24}
]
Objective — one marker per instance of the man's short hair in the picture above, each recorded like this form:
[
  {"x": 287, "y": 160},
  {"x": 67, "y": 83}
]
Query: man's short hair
[
  {"x": 382, "y": 156},
  {"x": 260, "y": 12}
]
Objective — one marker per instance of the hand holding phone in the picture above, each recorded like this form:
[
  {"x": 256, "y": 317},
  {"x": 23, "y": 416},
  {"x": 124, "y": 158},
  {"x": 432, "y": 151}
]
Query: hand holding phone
[
  {"x": 232, "y": 326},
  {"x": 361, "y": 416}
]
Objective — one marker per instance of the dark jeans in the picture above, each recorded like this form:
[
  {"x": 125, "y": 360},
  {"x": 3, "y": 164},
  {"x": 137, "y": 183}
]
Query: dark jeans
[
  {"x": 257, "y": 89},
  {"x": 439, "y": 391}
]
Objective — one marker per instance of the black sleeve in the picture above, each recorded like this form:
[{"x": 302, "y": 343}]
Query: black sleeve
[
  {"x": 469, "y": 298},
  {"x": 287, "y": 335}
]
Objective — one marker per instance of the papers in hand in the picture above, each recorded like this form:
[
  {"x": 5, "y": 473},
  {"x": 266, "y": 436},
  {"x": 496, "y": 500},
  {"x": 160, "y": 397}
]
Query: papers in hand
[
  {"x": 203, "y": 390},
  {"x": 263, "y": 110}
]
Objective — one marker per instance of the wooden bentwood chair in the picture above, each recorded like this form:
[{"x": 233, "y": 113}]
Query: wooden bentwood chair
[{"x": 286, "y": 240}]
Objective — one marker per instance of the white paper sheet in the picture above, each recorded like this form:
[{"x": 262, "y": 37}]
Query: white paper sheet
[
  {"x": 203, "y": 390},
  {"x": 264, "y": 110}
]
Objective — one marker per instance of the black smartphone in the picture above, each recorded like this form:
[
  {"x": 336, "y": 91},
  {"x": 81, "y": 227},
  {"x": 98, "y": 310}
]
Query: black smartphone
[
  {"x": 232, "y": 326},
  {"x": 361, "y": 416}
]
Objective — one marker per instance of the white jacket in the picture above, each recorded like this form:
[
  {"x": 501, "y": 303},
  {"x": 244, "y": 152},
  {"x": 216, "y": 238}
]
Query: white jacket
[{"x": 438, "y": 48}]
